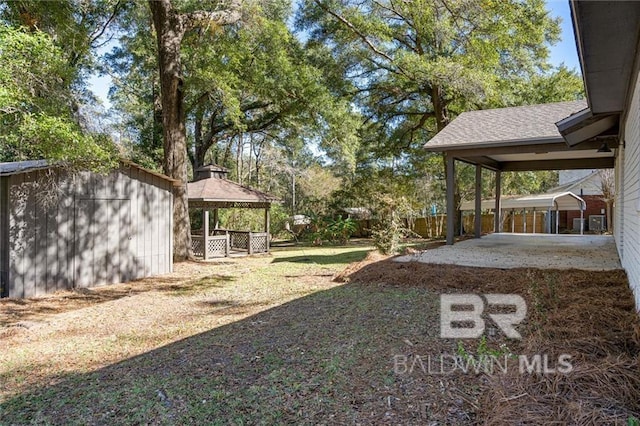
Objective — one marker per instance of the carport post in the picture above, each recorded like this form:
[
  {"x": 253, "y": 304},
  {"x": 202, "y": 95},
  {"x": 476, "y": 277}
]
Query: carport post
[
  {"x": 524, "y": 221},
  {"x": 581, "y": 220},
  {"x": 534, "y": 221},
  {"x": 557, "y": 220},
  {"x": 497, "y": 210},
  {"x": 513, "y": 221},
  {"x": 451, "y": 206},
  {"x": 478, "y": 213}
]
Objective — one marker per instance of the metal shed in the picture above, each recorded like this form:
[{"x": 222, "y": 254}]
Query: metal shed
[
  {"x": 549, "y": 204},
  {"x": 61, "y": 231}
]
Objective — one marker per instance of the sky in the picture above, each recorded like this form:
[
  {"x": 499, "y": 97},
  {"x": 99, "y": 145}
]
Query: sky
[{"x": 562, "y": 52}]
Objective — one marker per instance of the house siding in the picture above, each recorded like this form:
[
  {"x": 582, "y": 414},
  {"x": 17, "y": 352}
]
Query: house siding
[
  {"x": 95, "y": 230},
  {"x": 628, "y": 196}
]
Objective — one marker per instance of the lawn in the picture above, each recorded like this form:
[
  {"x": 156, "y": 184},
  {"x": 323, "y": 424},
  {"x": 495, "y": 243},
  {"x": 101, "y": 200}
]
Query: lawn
[{"x": 311, "y": 335}]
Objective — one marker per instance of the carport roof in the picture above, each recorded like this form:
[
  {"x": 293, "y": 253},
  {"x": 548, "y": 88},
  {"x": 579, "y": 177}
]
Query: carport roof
[
  {"x": 530, "y": 137},
  {"x": 560, "y": 200},
  {"x": 532, "y": 123}
]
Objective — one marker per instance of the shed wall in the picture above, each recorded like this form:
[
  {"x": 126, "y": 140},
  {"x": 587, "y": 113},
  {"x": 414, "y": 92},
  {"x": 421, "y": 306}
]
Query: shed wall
[
  {"x": 628, "y": 202},
  {"x": 97, "y": 230}
]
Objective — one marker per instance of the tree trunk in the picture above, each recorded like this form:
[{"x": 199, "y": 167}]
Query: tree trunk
[
  {"x": 198, "y": 158},
  {"x": 169, "y": 33}
]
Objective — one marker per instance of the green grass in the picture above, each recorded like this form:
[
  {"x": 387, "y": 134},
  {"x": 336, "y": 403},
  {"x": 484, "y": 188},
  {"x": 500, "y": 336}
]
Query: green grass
[{"x": 269, "y": 340}]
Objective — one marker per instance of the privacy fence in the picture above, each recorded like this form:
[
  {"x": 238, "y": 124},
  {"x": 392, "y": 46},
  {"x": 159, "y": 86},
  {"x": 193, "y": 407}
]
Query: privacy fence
[{"x": 436, "y": 226}]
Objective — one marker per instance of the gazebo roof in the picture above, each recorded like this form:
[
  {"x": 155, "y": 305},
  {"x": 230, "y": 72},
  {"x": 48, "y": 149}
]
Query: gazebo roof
[{"x": 219, "y": 192}]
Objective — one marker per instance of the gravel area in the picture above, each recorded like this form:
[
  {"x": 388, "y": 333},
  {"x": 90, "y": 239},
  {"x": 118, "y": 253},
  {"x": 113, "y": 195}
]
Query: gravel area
[{"x": 588, "y": 252}]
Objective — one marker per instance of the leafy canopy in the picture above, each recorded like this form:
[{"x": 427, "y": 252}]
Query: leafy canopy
[{"x": 35, "y": 99}]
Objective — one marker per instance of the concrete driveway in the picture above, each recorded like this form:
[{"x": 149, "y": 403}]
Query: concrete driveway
[{"x": 588, "y": 252}]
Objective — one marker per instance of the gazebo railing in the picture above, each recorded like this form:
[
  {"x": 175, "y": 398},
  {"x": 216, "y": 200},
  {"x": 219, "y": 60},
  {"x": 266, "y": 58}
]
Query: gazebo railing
[
  {"x": 223, "y": 241},
  {"x": 215, "y": 245}
]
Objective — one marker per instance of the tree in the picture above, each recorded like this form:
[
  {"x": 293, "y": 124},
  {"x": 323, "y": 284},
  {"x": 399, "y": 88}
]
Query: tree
[
  {"x": 36, "y": 105},
  {"x": 414, "y": 65},
  {"x": 171, "y": 26},
  {"x": 259, "y": 80}
]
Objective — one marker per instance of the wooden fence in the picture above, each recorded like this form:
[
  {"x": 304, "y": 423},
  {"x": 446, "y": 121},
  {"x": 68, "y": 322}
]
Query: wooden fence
[{"x": 436, "y": 226}]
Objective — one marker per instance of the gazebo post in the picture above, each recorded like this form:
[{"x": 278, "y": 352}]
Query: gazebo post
[
  {"x": 451, "y": 206},
  {"x": 205, "y": 233},
  {"x": 498, "y": 208},
  {"x": 478, "y": 213},
  {"x": 267, "y": 220},
  {"x": 215, "y": 219}
]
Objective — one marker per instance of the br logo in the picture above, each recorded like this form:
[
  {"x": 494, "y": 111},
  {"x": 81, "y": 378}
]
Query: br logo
[{"x": 468, "y": 310}]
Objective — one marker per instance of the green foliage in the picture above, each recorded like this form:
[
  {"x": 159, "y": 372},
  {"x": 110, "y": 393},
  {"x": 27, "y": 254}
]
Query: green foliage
[
  {"x": 411, "y": 67},
  {"x": 331, "y": 230},
  {"x": 484, "y": 351},
  {"x": 392, "y": 212},
  {"x": 35, "y": 99}
]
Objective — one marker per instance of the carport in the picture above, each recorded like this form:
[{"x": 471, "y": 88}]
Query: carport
[
  {"x": 550, "y": 204},
  {"x": 555, "y": 136}
]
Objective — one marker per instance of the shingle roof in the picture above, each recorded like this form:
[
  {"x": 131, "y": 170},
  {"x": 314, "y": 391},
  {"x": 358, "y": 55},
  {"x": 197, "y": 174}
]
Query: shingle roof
[
  {"x": 217, "y": 189},
  {"x": 505, "y": 125}
]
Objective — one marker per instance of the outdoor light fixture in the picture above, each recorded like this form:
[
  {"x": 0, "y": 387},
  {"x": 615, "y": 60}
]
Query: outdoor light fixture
[{"x": 604, "y": 148}]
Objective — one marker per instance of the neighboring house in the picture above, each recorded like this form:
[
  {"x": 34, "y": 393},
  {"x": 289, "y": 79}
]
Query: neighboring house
[
  {"x": 60, "y": 231},
  {"x": 587, "y": 184}
]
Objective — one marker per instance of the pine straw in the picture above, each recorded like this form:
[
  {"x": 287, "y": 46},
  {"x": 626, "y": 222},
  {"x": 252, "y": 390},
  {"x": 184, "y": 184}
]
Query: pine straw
[{"x": 588, "y": 315}]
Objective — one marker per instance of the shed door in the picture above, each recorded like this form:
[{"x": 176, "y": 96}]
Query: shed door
[{"x": 102, "y": 233}]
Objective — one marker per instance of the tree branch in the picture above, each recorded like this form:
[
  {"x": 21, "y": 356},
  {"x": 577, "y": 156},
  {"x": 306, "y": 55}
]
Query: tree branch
[
  {"x": 357, "y": 32},
  {"x": 228, "y": 16}
]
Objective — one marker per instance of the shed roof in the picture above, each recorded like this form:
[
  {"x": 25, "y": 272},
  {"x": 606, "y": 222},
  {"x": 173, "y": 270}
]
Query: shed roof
[
  {"x": 17, "y": 167},
  {"x": 226, "y": 193},
  {"x": 561, "y": 200},
  {"x": 504, "y": 125}
]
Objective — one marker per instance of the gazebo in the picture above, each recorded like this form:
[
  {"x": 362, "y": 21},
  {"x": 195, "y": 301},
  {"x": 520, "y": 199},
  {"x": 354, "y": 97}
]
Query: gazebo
[{"x": 211, "y": 191}]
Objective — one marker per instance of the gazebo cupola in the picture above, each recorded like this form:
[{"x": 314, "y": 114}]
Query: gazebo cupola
[{"x": 211, "y": 171}]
